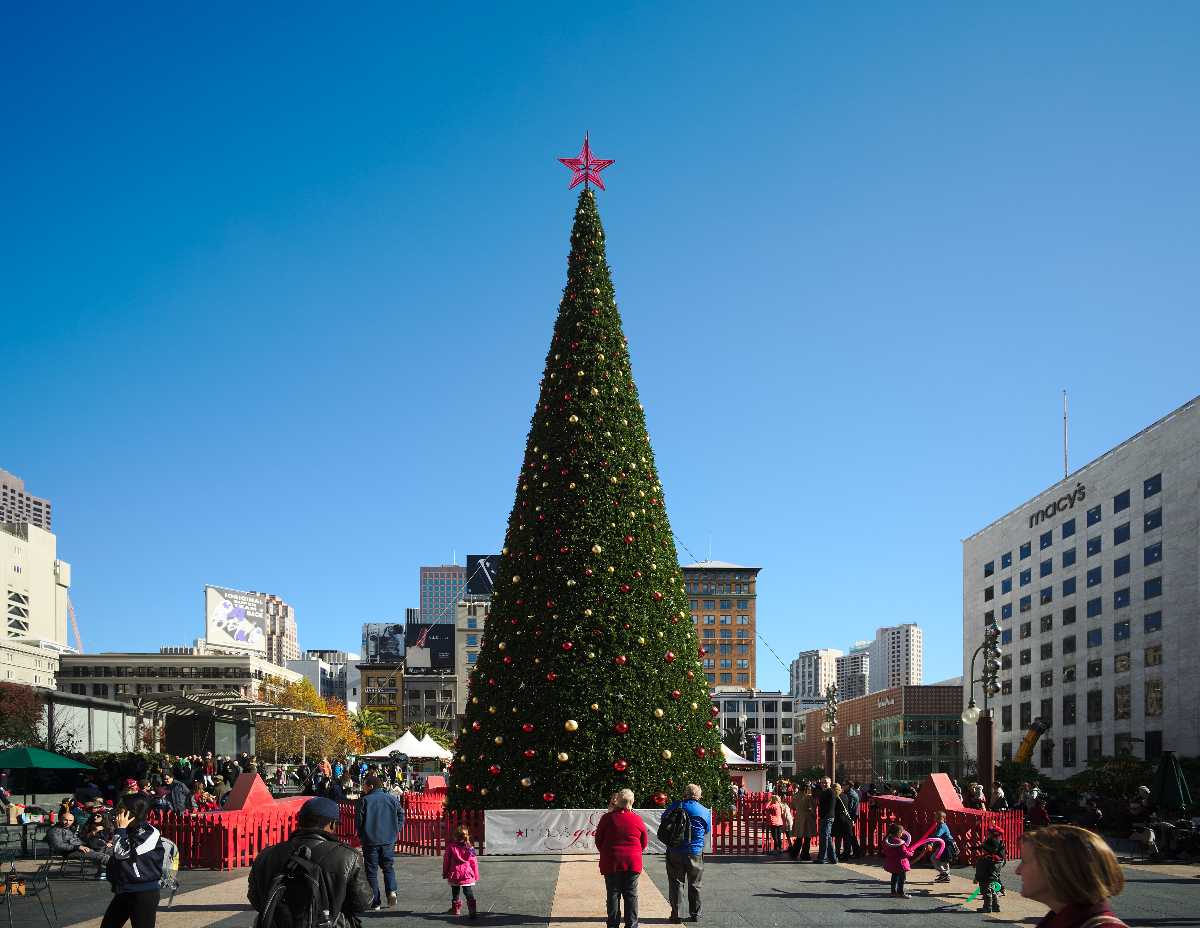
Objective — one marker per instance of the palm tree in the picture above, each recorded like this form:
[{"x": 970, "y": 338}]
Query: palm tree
[
  {"x": 441, "y": 737},
  {"x": 735, "y": 737},
  {"x": 372, "y": 728}
]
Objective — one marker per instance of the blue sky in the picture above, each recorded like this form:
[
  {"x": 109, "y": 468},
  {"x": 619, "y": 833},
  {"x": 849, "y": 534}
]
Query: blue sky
[{"x": 277, "y": 284}]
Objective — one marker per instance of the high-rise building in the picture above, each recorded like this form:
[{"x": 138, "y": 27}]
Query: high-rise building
[
  {"x": 812, "y": 672},
  {"x": 333, "y": 674},
  {"x": 1094, "y": 584},
  {"x": 283, "y": 641},
  {"x": 18, "y": 506},
  {"x": 441, "y": 588},
  {"x": 854, "y": 671},
  {"x": 897, "y": 657},
  {"x": 775, "y": 716},
  {"x": 723, "y": 610},
  {"x": 34, "y": 584}
]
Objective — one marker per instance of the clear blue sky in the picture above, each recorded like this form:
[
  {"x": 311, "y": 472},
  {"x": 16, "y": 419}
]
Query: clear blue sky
[{"x": 277, "y": 285}]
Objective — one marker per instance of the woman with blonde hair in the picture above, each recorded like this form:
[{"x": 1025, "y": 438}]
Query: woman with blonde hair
[
  {"x": 621, "y": 837},
  {"x": 1075, "y": 873}
]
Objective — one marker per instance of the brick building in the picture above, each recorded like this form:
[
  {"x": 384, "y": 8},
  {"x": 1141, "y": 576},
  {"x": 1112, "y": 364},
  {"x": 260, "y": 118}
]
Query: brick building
[
  {"x": 723, "y": 610},
  {"x": 898, "y": 734}
]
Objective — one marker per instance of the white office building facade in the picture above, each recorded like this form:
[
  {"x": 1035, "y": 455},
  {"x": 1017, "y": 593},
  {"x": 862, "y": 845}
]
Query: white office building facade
[
  {"x": 812, "y": 672},
  {"x": 1095, "y": 586},
  {"x": 897, "y": 657}
]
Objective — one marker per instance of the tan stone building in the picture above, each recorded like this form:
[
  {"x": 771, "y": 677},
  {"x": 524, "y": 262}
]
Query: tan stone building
[{"x": 723, "y": 598}]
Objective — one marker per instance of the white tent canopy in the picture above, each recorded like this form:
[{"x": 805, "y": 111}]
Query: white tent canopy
[
  {"x": 736, "y": 760},
  {"x": 405, "y": 744},
  {"x": 440, "y": 752}
]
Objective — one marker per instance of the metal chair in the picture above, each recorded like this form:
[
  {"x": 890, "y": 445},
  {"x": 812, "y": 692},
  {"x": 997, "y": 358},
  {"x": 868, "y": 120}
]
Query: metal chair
[{"x": 36, "y": 884}]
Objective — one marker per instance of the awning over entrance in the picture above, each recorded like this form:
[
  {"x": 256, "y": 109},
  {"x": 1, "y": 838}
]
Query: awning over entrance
[{"x": 226, "y": 704}]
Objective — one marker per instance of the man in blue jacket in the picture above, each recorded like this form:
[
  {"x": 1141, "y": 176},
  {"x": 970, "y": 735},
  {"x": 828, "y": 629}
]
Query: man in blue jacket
[
  {"x": 379, "y": 818},
  {"x": 685, "y": 864}
]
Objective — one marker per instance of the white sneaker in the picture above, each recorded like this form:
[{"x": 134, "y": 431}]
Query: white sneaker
[{"x": 391, "y": 903}]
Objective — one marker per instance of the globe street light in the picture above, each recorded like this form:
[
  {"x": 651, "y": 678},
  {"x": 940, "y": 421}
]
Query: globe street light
[{"x": 982, "y": 718}]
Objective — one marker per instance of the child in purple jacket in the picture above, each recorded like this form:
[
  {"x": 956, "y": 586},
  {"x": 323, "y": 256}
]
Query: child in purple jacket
[
  {"x": 896, "y": 857},
  {"x": 460, "y": 866}
]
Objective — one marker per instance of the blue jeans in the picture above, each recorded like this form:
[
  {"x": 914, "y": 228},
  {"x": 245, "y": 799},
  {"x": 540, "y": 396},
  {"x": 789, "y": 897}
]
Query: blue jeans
[
  {"x": 827, "y": 843},
  {"x": 381, "y": 856}
]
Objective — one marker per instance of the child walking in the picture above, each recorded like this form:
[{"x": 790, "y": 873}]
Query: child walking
[
  {"x": 991, "y": 858},
  {"x": 460, "y": 867},
  {"x": 896, "y": 857},
  {"x": 949, "y": 850}
]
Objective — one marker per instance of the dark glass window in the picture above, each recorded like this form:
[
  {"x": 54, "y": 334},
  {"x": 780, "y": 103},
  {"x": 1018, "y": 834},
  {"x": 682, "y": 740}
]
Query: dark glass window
[
  {"x": 1026, "y": 684},
  {"x": 1046, "y": 540},
  {"x": 1026, "y": 549},
  {"x": 1068, "y": 587},
  {"x": 989, "y": 593},
  {"x": 1046, "y": 568},
  {"x": 1006, "y": 585},
  {"x": 1095, "y": 705},
  {"x": 1047, "y": 624},
  {"x": 1094, "y": 607},
  {"x": 1026, "y": 714},
  {"x": 1068, "y": 558},
  {"x": 1121, "y": 598},
  {"x": 1093, "y": 515},
  {"x": 1120, "y": 631},
  {"x": 1121, "y": 566},
  {"x": 1121, "y": 501},
  {"x": 1068, "y": 645},
  {"x": 1095, "y": 637},
  {"x": 1094, "y": 576},
  {"x": 1046, "y": 596},
  {"x": 1006, "y": 636},
  {"x": 1094, "y": 545},
  {"x": 1152, "y": 520},
  {"x": 1152, "y": 588},
  {"x": 1006, "y": 662},
  {"x": 1095, "y": 747},
  {"x": 1154, "y": 746},
  {"x": 1095, "y": 668},
  {"x": 1152, "y": 622},
  {"x": 1069, "y": 615},
  {"x": 1026, "y": 657},
  {"x": 1068, "y": 673},
  {"x": 1152, "y": 554},
  {"x": 1047, "y": 651},
  {"x": 1006, "y": 560},
  {"x": 1151, "y": 486},
  {"x": 1006, "y": 611},
  {"x": 1068, "y": 528},
  {"x": 989, "y": 617},
  {"x": 1026, "y": 629},
  {"x": 1026, "y": 577},
  {"x": 1047, "y": 679},
  {"x": 1026, "y": 603},
  {"x": 989, "y": 568},
  {"x": 1006, "y": 718},
  {"x": 1121, "y": 534},
  {"x": 1068, "y": 709},
  {"x": 1006, "y": 687}
]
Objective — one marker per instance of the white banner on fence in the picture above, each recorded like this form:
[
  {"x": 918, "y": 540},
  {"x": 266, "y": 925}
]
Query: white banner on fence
[{"x": 555, "y": 831}]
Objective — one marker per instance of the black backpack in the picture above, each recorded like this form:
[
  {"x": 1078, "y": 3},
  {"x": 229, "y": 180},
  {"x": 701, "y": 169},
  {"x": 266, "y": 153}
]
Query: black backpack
[
  {"x": 298, "y": 895},
  {"x": 675, "y": 829}
]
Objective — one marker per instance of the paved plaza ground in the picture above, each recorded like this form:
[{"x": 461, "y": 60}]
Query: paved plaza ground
[{"x": 738, "y": 893}]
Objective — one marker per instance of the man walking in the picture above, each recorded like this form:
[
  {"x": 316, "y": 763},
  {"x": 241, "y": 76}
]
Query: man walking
[
  {"x": 379, "y": 818},
  {"x": 344, "y": 887},
  {"x": 848, "y": 845},
  {"x": 685, "y": 864},
  {"x": 826, "y": 810}
]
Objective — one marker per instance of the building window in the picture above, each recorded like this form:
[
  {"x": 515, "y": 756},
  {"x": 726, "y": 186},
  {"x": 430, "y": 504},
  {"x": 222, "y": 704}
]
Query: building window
[
  {"x": 1068, "y": 558},
  {"x": 1121, "y": 702},
  {"x": 743, "y": 604},
  {"x": 1153, "y": 656},
  {"x": 1095, "y": 668},
  {"x": 1152, "y": 588},
  {"x": 1068, "y": 645},
  {"x": 727, "y": 604},
  {"x": 1006, "y": 636},
  {"x": 1046, "y": 596},
  {"x": 989, "y": 617},
  {"x": 1006, "y": 687},
  {"x": 1121, "y": 566},
  {"x": 1094, "y": 607},
  {"x": 1026, "y": 629},
  {"x": 1094, "y": 748},
  {"x": 1069, "y": 616},
  {"x": 1006, "y": 751},
  {"x": 1095, "y": 576},
  {"x": 1152, "y": 554},
  {"x": 1154, "y": 746},
  {"x": 989, "y": 593},
  {"x": 1026, "y": 603},
  {"x": 1095, "y": 706},
  {"x": 1005, "y": 661},
  {"x": 1006, "y": 718},
  {"x": 1121, "y": 501},
  {"x": 989, "y": 568},
  {"x": 1152, "y": 622},
  {"x": 726, "y": 620},
  {"x": 1152, "y": 520},
  {"x": 1006, "y": 611},
  {"x": 1026, "y": 656},
  {"x": 1047, "y": 623},
  {"x": 1094, "y": 545},
  {"x": 1046, "y": 540},
  {"x": 1154, "y": 698},
  {"x": 1026, "y": 549},
  {"x": 710, "y": 620},
  {"x": 1068, "y": 587},
  {"x": 1006, "y": 560},
  {"x": 1151, "y": 486},
  {"x": 1068, "y": 752},
  {"x": 1068, "y": 674},
  {"x": 1046, "y": 568},
  {"x": 1121, "y": 598},
  {"x": 1095, "y": 637},
  {"x": 1026, "y": 684},
  {"x": 1046, "y": 651},
  {"x": 1006, "y": 585},
  {"x": 1068, "y": 528},
  {"x": 743, "y": 620},
  {"x": 1047, "y": 753},
  {"x": 1121, "y": 663},
  {"x": 1121, "y": 534},
  {"x": 1093, "y": 515},
  {"x": 1047, "y": 679},
  {"x": 1068, "y": 709},
  {"x": 1026, "y": 714}
]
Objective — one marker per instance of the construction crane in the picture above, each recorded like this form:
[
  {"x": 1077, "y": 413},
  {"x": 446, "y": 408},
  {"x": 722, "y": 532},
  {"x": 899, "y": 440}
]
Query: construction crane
[
  {"x": 1036, "y": 730},
  {"x": 74, "y": 625}
]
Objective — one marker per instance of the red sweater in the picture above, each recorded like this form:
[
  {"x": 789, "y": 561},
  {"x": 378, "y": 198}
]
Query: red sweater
[{"x": 620, "y": 838}]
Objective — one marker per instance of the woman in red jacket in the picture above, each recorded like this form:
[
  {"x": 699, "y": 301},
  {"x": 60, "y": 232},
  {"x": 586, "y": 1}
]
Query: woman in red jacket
[{"x": 620, "y": 838}]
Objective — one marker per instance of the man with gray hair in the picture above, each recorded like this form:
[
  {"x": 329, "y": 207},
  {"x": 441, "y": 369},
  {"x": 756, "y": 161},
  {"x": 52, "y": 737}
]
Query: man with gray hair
[{"x": 685, "y": 863}]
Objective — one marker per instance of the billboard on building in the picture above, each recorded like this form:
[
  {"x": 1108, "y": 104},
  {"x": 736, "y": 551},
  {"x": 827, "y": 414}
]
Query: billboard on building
[
  {"x": 382, "y": 642},
  {"x": 481, "y": 569},
  {"x": 429, "y": 648},
  {"x": 234, "y": 619}
]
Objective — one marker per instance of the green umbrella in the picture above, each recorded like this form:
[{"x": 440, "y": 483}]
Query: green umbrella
[
  {"x": 1169, "y": 792},
  {"x": 37, "y": 759}
]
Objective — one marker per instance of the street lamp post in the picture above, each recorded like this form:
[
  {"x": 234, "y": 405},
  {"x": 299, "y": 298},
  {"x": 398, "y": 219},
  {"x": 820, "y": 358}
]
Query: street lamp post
[
  {"x": 982, "y": 719},
  {"x": 829, "y": 726}
]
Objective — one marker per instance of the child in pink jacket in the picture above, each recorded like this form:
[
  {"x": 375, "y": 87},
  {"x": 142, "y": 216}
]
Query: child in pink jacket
[
  {"x": 896, "y": 857},
  {"x": 460, "y": 866}
]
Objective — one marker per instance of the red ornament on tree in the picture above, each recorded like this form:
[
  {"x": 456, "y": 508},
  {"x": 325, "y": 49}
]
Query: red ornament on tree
[
  {"x": 620, "y": 765},
  {"x": 624, "y": 587},
  {"x": 669, "y": 657},
  {"x": 628, "y": 539},
  {"x": 529, "y": 753},
  {"x": 621, "y": 728},
  {"x": 475, "y": 726},
  {"x": 527, "y": 727},
  {"x": 469, "y": 788},
  {"x": 548, "y": 797},
  {"x": 700, "y": 752},
  {"x": 657, "y": 596},
  {"x": 567, "y": 645},
  {"x": 620, "y": 660},
  {"x": 494, "y": 770},
  {"x": 507, "y": 660},
  {"x": 675, "y": 694},
  {"x": 551, "y": 676}
]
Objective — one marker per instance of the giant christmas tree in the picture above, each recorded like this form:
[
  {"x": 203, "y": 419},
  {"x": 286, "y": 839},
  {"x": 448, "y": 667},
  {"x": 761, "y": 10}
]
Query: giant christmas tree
[{"x": 589, "y": 676}]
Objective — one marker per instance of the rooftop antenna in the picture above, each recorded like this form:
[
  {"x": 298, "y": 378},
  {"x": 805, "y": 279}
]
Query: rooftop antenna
[
  {"x": 709, "y": 558},
  {"x": 454, "y": 556},
  {"x": 1066, "y": 471}
]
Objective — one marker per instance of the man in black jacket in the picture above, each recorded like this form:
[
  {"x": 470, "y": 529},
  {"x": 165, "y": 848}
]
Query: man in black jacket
[
  {"x": 349, "y": 892},
  {"x": 826, "y": 808},
  {"x": 176, "y": 794}
]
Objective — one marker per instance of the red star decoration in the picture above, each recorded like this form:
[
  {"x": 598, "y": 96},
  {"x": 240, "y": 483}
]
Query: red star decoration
[{"x": 586, "y": 168}]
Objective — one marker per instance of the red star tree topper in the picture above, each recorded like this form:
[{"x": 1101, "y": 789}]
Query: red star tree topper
[{"x": 586, "y": 168}]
